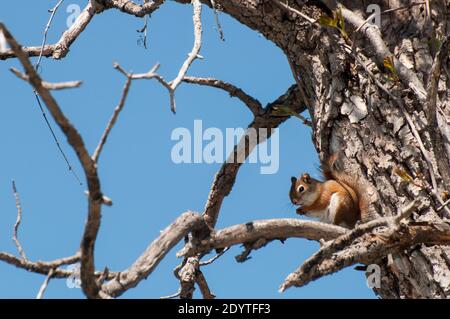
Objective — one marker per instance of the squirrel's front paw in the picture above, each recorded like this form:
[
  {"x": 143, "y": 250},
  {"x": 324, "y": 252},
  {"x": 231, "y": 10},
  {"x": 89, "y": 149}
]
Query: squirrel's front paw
[{"x": 300, "y": 211}]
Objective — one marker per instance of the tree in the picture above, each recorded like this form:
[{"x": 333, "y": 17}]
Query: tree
[{"x": 379, "y": 93}]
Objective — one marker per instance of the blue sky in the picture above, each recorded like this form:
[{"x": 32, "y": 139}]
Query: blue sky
[{"x": 148, "y": 189}]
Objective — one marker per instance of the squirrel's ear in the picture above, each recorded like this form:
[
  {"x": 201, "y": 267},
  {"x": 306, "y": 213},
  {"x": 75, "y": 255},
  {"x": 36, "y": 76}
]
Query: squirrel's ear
[
  {"x": 306, "y": 178},
  {"x": 293, "y": 179}
]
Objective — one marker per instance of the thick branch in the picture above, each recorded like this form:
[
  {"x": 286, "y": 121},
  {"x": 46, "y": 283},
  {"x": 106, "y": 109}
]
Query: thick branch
[
  {"x": 372, "y": 248},
  {"x": 132, "y": 8},
  {"x": 269, "y": 229}
]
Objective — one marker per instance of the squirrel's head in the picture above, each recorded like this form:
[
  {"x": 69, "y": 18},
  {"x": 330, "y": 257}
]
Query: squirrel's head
[{"x": 302, "y": 190}]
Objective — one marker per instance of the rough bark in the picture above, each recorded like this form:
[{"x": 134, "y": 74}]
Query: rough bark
[{"x": 351, "y": 113}]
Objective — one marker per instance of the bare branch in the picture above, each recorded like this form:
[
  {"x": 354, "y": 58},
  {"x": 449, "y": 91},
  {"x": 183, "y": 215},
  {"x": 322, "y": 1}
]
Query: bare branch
[
  {"x": 48, "y": 85},
  {"x": 112, "y": 120},
  {"x": 253, "y": 104},
  {"x": 203, "y": 285},
  {"x": 345, "y": 240},
  {"x": 76, "y": 142},
  {"x": 42, "y": 267},
  {"x": 154, "y": 253},
  {"x": 269, "y": 229},
  {"x": 216, "y": 17},
  {"x": 61, "y": 48},
  {"x": 47, "y": 27},
  {"x": 17, "y": 224},
  {"x": 194, "y": 54},
  {"x": 213, "y": 259},
  {"x": 294, "y": 11},
  {"x": 372, "y": 248},
  {"x": 45, "y": 284},
  {"x": 226, "y": 176},
  {"x": 132, "y": 8}
]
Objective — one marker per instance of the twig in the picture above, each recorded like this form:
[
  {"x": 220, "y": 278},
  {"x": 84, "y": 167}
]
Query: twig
[
  {"x": 144, "y": 30},
  {"x": 113, "y": 119},
  {"x": 17, "y": 224},
  {"x": 443, "y": 205},
  {"x": 403, "y": 7},
  {"x": 302, "y": 92},
  {"x": 253, "y": 104},
  {"x": 48, "y": 85},
  {"x": 175, "y": 295},
  {"x": 47, "y": 27},
  {"x": 292, "y": 10},
  {"x": 216, "y": 17},
  {"x": 194, "y": 54},
  {"x": 213, "y": 259},
  {"x": 45, "y": 284}
]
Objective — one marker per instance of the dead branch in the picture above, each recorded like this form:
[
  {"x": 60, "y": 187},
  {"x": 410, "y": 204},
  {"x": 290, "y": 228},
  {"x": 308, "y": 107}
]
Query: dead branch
[
  {"x": 132, "y": 8},
  {"x": 346, "y": 240},
  {"x": 154, "y": 253},
  {"x": 47, "y": 28},
  {"x": 48, "y": 85},
  {"x": 269, "y": 229},
  {"x": 61, "y": 48},
  {"x": 112, "y": 120},
  {"x": 45, "y": 284},
  {"x": 253, "y": 104},
  {"x": 90, "y": 170},
  {"x": 203, "y": 285},
  {"x": 226, "y": 176},
  {"x": 372, "y": 248},
  {"x": 42, "y": 267},
  {"x": 194, "y": 54},
  {"x": 17, "y": 224}
]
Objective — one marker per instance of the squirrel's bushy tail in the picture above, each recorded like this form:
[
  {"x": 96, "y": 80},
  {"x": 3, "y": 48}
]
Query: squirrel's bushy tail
[{"x": 334, "y": 169}]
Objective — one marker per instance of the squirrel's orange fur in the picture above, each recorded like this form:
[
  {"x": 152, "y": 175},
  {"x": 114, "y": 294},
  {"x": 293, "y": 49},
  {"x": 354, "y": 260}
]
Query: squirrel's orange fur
[{"x": 338, "y": 200}]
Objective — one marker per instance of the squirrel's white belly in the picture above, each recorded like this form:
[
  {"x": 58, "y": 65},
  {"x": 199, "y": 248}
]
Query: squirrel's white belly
[{"x": 328, "y": 214}]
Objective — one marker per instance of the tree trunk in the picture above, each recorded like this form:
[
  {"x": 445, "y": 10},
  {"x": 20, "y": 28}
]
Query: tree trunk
[{"x": 351, "y": 112}]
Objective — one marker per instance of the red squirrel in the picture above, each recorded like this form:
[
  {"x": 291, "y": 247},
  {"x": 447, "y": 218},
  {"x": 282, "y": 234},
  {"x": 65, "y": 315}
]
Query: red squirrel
[{"x": 339, "y": 200}]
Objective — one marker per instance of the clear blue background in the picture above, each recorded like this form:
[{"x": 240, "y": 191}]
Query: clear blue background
[{"x": 149, "y": 191}]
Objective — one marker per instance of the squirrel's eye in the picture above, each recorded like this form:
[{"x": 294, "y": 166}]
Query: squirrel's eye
[{"x": 301, "y": 188}]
